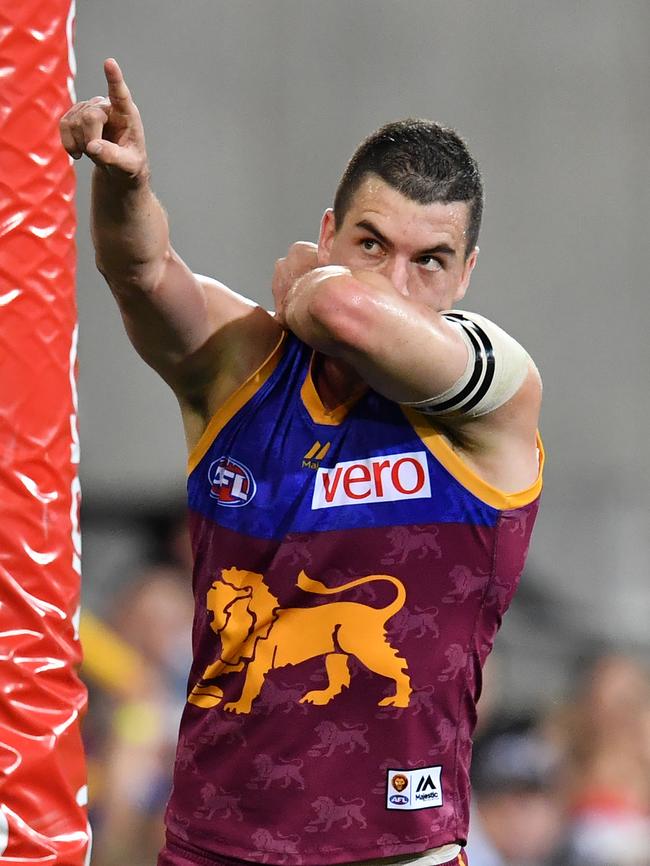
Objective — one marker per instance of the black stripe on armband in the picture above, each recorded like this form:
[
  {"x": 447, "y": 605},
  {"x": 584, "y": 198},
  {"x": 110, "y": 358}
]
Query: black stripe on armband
[
  {"x": 481, "y": 359},
  {"x": 488, "y": 348}
]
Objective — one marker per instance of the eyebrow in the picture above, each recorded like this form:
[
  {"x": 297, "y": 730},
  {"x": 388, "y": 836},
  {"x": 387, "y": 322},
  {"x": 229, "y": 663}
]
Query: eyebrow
[{"x": 443, "y": 249}]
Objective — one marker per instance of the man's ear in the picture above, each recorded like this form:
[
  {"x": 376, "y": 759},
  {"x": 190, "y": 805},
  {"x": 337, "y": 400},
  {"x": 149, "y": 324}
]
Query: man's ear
[
  {"x": 469, "y": 266},
  {"x": 326, "y": 237}
]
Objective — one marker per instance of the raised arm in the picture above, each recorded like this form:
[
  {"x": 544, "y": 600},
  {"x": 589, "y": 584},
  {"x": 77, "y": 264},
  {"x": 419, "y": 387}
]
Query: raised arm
[
  {"x": 415, "y": 355},
  {"x": 202, "y": 338}
]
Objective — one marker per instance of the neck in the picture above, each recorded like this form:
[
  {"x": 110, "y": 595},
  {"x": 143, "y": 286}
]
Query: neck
[{"x": 335, "y": 380}]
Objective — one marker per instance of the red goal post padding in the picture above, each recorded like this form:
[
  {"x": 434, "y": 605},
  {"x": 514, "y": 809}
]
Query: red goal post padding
[{"x": 42, "y": 772}]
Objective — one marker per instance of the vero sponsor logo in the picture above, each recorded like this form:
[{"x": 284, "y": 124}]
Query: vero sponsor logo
[{"x": 374, "y": 479}]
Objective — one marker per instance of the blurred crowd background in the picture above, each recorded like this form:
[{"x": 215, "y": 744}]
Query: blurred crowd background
[{"x": 251, "y": 110}]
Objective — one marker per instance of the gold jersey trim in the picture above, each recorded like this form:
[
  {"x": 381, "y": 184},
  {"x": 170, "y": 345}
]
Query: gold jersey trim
[
  {"x": 318, "y": 412},
  {"x": 456, "y": 466},
  {"x": 234, "y": 403}
]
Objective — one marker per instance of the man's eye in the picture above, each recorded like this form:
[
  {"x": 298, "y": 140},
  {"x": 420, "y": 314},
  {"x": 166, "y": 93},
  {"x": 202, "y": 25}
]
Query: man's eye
[
  {"x": 430, "y": 263},
  {"x": 370, "y": 245}
]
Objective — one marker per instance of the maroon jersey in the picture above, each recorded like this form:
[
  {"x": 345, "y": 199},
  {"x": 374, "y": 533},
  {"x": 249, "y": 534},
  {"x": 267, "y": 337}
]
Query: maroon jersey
[{"x": 350, "y": 575}]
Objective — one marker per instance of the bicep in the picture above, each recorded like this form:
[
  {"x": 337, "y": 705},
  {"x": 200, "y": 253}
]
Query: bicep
[{"x": 189, "y": 327}]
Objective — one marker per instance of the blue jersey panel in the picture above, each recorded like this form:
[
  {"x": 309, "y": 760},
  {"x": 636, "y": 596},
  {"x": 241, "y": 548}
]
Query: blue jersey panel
[{"x": 272, "y": 470}]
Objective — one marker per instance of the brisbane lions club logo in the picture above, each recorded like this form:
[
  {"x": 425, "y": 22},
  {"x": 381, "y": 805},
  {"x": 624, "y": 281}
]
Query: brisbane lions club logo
[
  {"x": 257, "y": 635},
  {"x": 231, "y": 483}
]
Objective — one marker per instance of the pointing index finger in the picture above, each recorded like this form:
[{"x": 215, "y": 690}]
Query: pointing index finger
[{"x": 118, "y": 93}]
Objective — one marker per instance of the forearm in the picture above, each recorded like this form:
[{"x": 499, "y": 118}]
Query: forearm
[
  {"x": 396, "y": 344},
  {"x": 129, "y": 230}
]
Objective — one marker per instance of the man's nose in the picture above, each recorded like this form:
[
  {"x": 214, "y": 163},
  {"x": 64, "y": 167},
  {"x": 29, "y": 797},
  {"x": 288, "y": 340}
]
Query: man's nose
[{"x": 397, "y": 271}]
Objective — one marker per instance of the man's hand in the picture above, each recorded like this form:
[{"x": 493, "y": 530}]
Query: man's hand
[
  {"x": 301, "y": 258},
  {"x": 108, "y": 129}
]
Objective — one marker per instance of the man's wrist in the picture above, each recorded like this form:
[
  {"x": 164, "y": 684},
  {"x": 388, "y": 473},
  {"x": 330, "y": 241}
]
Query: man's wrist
[{"x": 120, "y": 181}]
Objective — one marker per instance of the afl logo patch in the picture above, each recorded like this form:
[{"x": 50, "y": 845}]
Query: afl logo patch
[
  {"x": 399, "y": 800},
  {"x": 231, "y": 483}
]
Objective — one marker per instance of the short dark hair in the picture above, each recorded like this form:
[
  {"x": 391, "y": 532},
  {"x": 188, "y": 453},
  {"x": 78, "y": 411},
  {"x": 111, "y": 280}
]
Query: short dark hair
[{"x": 423, "y": 161}]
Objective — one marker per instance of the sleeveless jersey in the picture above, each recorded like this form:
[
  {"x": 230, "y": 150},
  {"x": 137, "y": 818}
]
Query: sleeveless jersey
[{"x": 350, "y": 576}]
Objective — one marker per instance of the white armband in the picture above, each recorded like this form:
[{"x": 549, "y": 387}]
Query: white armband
[{"x": 496, "y": 368}]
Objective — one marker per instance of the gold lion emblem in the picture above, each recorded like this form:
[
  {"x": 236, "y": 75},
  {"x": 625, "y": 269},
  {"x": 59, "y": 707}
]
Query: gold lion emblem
[{"x": 257, "y": 635}]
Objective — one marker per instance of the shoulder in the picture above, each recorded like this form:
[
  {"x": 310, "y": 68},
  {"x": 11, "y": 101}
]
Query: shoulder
[
  {"x": 249, "y": 343},
  {"x": 493, "y": 414}
]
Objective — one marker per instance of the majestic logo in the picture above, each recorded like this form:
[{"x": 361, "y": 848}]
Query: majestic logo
[
  {"x": 373, "y": 479},
  {"x": 316, "y": 453},
  {"x": 231, "y": 483},
  {"x": 257, "y": 636},
  {"x": 420, "y": 789},
  {"x": 426, "y": 789}
]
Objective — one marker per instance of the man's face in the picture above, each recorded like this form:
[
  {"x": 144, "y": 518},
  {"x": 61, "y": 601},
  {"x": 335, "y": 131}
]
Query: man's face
[{"x": 419, "y": 248}]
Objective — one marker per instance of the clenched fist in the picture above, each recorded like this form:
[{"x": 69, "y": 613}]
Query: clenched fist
[
  {"x": 301, "y": 257},
  {"x": 108, "y": 129}
]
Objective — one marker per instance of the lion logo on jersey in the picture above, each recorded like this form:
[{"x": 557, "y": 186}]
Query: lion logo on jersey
[{"x": 258, "y": 635}]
